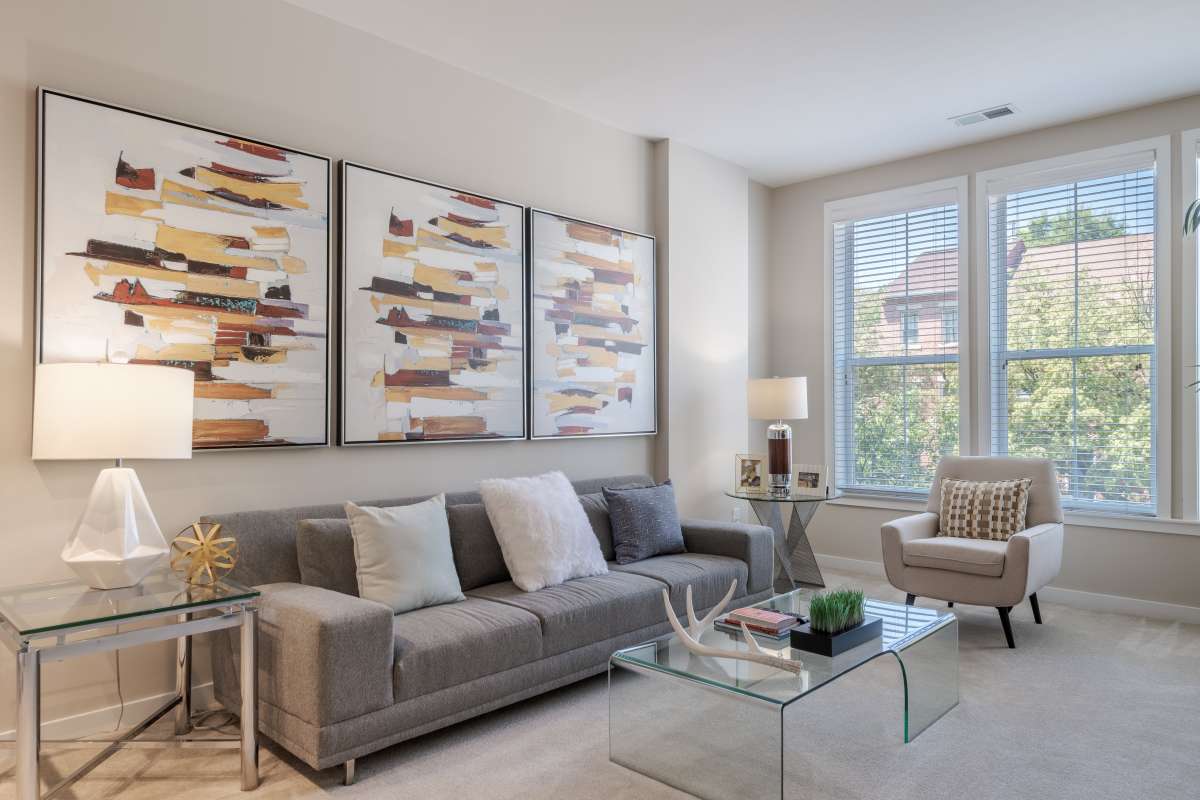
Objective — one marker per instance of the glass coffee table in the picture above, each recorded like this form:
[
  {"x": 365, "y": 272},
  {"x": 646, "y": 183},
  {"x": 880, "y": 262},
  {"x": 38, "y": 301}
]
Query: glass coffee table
[{"x": 719, "y": 727}]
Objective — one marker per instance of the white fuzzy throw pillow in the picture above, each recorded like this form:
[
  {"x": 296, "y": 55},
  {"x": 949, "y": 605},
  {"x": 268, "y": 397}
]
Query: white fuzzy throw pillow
[{"x": 543, "y": 530}]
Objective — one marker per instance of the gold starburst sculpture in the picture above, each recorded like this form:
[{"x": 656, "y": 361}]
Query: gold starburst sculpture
[{"x": 202, "y": 554}]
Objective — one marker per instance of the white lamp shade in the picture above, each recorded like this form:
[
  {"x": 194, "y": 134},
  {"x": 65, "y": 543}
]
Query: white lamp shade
[
  {"x": 111, "y": 411},
  {"x": 778, "y": 398}
]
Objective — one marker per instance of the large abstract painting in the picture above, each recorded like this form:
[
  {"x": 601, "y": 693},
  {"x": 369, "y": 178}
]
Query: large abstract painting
[
  {"x": 167, "y": 243},
  {"x": 433, "y": 312},
  {"x": 591, "y": 329}
]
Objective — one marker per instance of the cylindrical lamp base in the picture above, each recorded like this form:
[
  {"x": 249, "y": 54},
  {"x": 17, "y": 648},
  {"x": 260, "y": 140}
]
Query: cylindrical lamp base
[{"x": 779, "y": 458}]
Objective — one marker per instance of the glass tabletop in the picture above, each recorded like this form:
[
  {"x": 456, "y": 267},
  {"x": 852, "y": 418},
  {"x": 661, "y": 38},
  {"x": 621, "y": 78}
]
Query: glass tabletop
[
  {"x": 790, "y": 497},
  {"x": 44, "y": 607},
  {"x": 902, "y": 625}
]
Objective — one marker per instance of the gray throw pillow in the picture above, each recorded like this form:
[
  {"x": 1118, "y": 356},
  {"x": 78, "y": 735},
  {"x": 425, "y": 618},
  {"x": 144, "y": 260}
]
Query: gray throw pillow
[{"x": 644, "y": 521}]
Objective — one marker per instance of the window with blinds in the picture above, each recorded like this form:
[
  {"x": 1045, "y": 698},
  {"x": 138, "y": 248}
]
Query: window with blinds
[
  {"x": 1072, "y": 285},
  {"x": 895, "y": 360}
]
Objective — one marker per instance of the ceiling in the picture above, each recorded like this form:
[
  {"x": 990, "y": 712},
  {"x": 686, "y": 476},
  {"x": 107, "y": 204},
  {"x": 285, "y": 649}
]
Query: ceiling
[{"x": 793, "y": 89}]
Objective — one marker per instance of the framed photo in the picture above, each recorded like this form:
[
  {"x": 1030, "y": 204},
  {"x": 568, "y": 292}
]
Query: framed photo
[
  {"x": 810, "y": 479},
  {"x": 433, "y": 312},
  {"x": 593, "y": 366},
  {"x": 164, "y": 242},
  {"x": 750, "y": 473}
]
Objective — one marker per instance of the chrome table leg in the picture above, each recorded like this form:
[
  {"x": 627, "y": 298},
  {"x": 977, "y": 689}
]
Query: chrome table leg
[
  {"x": 29, "y": 721},
  {"x": 183, "y": 681},
  {"x": 249, "y": 721}
]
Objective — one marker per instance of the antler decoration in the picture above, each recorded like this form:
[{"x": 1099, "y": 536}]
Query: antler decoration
[{"x": 691, "y": 637}]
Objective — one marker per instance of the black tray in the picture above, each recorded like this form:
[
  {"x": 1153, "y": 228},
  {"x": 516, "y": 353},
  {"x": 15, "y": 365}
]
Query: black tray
[{"x": 804, "y": 638}]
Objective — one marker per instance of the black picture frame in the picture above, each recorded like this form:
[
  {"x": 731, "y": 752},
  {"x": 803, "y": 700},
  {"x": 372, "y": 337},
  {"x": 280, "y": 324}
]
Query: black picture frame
[
  {"x": 346, "y": 218},
  {"x": 534, "y": 343},
  {"x": 44, "y": 94}
]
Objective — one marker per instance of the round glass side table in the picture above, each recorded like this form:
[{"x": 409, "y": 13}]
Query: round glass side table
[{"x": 795, "y": 562}]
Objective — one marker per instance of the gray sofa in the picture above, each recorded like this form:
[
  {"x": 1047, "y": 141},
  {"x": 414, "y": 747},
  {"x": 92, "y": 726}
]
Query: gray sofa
[{"x": 340, "y": 676}]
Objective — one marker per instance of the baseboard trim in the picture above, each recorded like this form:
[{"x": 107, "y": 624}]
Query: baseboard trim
[
  {"x": 104, "y": 720},
  {"x": 1088, "y": 601}
]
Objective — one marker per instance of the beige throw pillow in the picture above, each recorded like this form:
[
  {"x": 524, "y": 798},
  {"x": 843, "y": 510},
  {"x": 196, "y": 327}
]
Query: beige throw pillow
[
  {"x": 983, "y": 509},
  {"x": 402, "y": 555}
]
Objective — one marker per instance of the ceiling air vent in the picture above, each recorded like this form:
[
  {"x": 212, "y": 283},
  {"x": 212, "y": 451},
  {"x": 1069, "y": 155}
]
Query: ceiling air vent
[{"x": 996, "y": 112}]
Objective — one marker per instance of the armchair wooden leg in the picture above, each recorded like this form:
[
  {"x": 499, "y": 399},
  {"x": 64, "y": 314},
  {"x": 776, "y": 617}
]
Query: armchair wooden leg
[
  {"x": 1007, "y": 625},
  {"x": 1037, "y": 612},
  {"x": 348, "y": 776},
  {"x": 910, "y": 599}
]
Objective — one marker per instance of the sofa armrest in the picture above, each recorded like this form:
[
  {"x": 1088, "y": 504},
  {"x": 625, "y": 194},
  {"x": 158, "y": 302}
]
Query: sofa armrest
[
  {"x": 754, "y": 544},
  {"x": 1036, "y": 552},
  {"x": 323, "y": 656},
  {"x": 895, "y": 533}
]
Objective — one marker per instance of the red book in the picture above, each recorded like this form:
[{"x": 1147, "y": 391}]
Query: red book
[{"x": 761, "y": 618}]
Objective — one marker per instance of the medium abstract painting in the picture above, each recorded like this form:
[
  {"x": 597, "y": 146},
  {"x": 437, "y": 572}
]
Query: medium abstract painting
[
  {"x": 592, "y": 324},
  {"x": 433, "y": 312},
  {"x": 165, "y": 243}
]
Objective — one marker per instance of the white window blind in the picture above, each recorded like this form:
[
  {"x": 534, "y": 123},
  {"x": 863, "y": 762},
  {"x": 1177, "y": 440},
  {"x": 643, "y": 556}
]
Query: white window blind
[
  {"x": 896, "y": 381},
  {"x": 1073, "y": 332}
]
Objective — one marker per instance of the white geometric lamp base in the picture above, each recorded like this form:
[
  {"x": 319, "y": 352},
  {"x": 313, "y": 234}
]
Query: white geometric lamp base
[{"x": 117, "y": 541}]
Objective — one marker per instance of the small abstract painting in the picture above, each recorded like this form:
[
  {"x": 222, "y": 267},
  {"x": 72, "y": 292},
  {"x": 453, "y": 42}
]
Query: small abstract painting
[
  {"x": 433, "y": 312},
  {"x": 592, "y": 325},
  {"x": 166, "y": 243}
]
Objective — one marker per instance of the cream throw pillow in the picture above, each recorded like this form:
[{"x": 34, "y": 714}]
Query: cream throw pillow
[
  {"x": 983, "y": 509},
  {"x": 402, "y": 554},
  {"x": 543, "y": 530}
]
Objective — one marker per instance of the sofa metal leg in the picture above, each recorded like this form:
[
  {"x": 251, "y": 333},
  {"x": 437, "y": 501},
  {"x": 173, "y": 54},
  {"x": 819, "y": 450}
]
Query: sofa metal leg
[
  {"x": 348, "y": 775},
  {"x": 1007, "y": 625},
  {"x": 949, "y": 604},
  {"x": 910, "y": 599},
  {"x": 1037, "y": 612}
]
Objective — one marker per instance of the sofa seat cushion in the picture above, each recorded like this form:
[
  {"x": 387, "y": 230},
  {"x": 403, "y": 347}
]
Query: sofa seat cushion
[
  {"x": 584, "y": 611},
  {"x": 957, "y": 554},
  {"x": 708, "y": 575},
  {"x": 451, "y": 644}
]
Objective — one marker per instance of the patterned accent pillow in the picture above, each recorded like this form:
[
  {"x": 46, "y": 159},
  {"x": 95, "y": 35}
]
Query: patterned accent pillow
[
  {"x": 983, "y": 509},
  {"x": 645, "y": 522}
]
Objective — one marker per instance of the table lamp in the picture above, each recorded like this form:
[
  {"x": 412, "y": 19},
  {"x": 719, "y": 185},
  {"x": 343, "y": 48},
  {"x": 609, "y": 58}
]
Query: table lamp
[
  {"x": 778, "y": 399},
  {"x": 113, "y": 411}
]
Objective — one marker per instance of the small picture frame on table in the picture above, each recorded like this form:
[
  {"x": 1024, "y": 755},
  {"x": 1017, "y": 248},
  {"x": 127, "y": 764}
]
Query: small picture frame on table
[
  {"x": 810, "y": 479},
  {"x": 750, "y": 473}
]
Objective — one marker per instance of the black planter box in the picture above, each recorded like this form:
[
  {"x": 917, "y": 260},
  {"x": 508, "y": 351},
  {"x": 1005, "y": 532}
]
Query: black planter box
[{"x": 804, "y": 638}]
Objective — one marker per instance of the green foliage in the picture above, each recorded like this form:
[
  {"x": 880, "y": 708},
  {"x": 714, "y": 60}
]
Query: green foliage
[
  {"x": 905, "y": 418},
  {"x": 1191, "y": 218},
  {"x": 836, "y": 610},
  {"x": 1069, "y": 226}
]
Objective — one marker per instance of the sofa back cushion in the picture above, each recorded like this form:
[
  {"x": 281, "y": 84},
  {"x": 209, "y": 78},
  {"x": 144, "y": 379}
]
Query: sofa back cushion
[
  {"x": 267, "y": 540},
  {"x": 477, "y": 555},
  {"x": 325, "y": 549}
]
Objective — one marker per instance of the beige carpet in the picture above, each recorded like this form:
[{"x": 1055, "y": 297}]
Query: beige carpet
[{"x": 1089, "y": 706}]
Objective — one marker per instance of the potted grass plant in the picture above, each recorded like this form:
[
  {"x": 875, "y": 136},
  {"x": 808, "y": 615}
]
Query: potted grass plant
[{"x": 836, "y": 623}]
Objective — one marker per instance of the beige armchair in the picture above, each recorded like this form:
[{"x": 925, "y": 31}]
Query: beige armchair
[{"x": 980, "y": 571}]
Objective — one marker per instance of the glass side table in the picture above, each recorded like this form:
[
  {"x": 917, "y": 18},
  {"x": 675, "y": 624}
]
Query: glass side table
[
  {"x": 56, "y": 621},
  {"x": 795, "y": 562}
]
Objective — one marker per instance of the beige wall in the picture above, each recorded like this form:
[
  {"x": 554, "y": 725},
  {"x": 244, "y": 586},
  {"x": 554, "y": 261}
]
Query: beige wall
[
  {"x": 1151, "y": 566},
  {"x": 704, "y": 222},
  {"x": 271, "y": 71}
]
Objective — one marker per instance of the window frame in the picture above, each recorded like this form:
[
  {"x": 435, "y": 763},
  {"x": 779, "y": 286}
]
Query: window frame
[
  {"x": 895, "y": 201},
  {"x": 1189, "y": 347},
  {"x": 1066, "y": 169}
]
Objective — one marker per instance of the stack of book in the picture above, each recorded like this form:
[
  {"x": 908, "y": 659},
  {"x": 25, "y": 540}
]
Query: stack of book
[{"x": 759, "y": 621}]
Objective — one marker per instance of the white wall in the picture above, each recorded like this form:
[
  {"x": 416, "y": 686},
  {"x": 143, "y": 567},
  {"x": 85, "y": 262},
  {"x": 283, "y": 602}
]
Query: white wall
[
  {"x": 1151, "y": 566},
  {"x": 271, "y": 71},
  {"x": 704, "y": 224}
]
